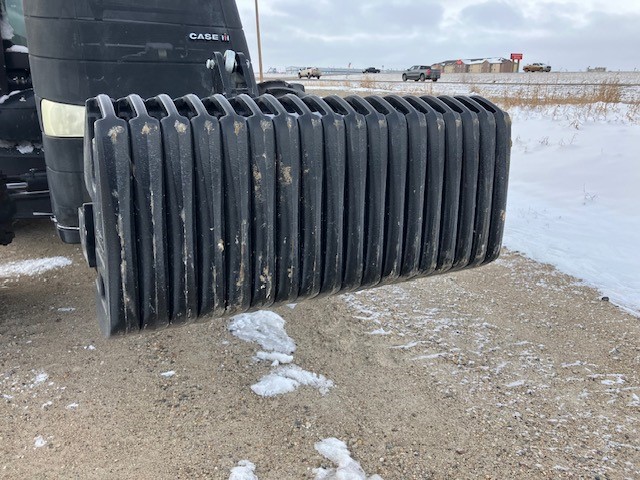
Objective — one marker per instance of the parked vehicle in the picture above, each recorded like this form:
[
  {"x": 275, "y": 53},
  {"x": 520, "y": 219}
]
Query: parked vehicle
[
  {"x": 421, "y": 73},
  {"x": 310, "y": 72},
  {"x": 196, "y": 192},
  {"x": 371, "y": 70},
  {"x": 537, "y": 67}
]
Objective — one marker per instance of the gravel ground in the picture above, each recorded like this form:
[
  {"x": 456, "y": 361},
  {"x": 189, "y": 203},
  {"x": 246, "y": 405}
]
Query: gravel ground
[{"x": 509, "y": 371}]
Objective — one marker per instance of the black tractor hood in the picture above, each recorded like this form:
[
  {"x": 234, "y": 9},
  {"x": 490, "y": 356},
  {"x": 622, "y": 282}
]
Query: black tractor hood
[{"x": 81, "y": 48}]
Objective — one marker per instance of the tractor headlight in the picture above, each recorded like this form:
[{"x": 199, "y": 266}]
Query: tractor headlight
[{"x": 62, "y": 120}]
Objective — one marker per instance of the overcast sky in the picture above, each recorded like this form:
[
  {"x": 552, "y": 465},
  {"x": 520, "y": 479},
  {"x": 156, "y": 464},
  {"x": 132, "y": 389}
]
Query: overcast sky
[{"x": 569, "y": 35}]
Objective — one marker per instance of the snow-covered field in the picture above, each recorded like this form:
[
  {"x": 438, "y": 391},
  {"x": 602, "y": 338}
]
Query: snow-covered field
[
  {"x": 490, "y": 84},
  {"x": 574, "y": 199},
  {"x": 572, "y": 78}
]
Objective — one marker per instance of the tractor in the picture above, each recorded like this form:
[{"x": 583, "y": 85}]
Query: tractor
[{"x": 139, "y": 128}]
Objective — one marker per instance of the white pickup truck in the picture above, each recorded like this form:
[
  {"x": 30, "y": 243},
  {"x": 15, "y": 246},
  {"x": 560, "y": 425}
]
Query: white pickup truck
[{"x": 310, "y": 72}]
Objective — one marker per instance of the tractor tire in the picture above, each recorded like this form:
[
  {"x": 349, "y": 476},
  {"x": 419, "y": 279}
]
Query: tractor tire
[{"x": 7, "y": 210}]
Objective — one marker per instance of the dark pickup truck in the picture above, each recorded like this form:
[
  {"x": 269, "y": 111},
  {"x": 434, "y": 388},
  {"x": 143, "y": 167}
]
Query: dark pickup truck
[{"x": 421, "y": 73}]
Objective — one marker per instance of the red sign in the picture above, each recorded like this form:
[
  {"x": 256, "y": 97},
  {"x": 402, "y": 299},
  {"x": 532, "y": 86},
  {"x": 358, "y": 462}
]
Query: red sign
[
  {"x": 516, "y": 56},
  {"x": 459, "y": 62}
]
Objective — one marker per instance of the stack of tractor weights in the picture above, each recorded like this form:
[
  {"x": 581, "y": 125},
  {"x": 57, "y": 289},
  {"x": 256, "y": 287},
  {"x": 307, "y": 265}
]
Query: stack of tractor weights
[{"x": 216, "y": 206}]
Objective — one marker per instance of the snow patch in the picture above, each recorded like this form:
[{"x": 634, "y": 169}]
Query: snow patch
[
  {"x": 618, "y": 380},
  {"x": 168, "y": 374},
  {"x": 500, "y": 367},
  {"x": 244, "y": 471},
  {"x": 39, "y": 379},
  {"x": 431, "y": 356},
  {"x": 516, "y": 384},
  {"x": 33, "y": 267},
  {"x": 574, "y": 364},
  {"x": 347, "y": 468},
  {"x": 17, "y": 49},
  {"x": 39, "y": 442},
  {"x": 24, "y": 147},
  {"x": 264, "y": 328},
  {"x": 275, "y": 357},
  {"x": 407, "y": 346},
  {"x": 288, "y": 379},
  {"x": 380, "y": 331},
  {"x": 267, "y": 329},
  {"x": 4, "y": 98}
]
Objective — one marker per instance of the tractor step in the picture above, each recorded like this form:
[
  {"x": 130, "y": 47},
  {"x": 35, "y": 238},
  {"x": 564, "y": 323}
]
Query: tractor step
[{"x": 217, "y": 206}]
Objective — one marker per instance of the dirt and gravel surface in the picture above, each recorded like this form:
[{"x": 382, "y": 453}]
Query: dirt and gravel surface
[{"x": 509, "y": 371}]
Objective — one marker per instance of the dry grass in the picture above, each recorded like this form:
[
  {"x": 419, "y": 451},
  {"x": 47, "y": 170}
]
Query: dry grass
[
  {"x": 608, "y": 99},
  {"x": 606, "y": 93},
  {"x": 609, "y": 92},
  {"x": 474, "y": 89},
  {"x": 348, "y": 84},
  {"x": 596, "y": 101},
  {"x": 633, "y": 112},
  {"x": 386, "y": 87},
  {"x": 368, "y": 82}
]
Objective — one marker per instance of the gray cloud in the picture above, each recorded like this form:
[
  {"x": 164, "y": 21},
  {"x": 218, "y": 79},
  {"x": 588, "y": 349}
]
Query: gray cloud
[
  {"x": 605, "y": 40},
  {"x": 397, "y": 33},
  {"x": 492, "y": 16}
]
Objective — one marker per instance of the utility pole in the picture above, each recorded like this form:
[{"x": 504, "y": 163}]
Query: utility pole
[{"x": 259, "y": 43}]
